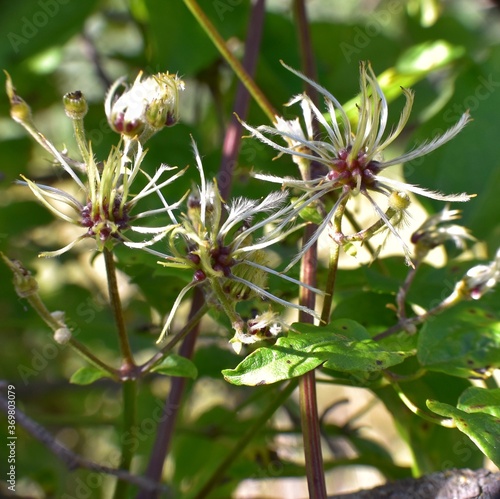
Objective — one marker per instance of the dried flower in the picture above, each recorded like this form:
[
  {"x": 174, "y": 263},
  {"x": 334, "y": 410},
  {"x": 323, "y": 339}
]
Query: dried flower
[
  {"x": 265, "y": 326},
  {"x": 353, "y": 158}
]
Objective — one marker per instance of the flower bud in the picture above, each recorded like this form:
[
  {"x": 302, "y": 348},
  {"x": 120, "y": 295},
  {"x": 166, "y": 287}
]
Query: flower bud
[
  {"x": 147, "y": 106},
  {"x": 266, "y": 326},
  {"x": 399, "y": 200},
  {"x": 62, "y": 335},
  {"x": 59, "y": 316},
  {"x": 19, "y": 109},
  {"x": 75, "y": 105},
  {"x": 479, "y": 280}
]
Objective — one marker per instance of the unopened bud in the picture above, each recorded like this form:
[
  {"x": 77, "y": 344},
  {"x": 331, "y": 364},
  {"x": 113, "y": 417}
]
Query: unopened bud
[
  {"x": 59, "y": 316},
  {"x": 266, "y": 326},
  {"x": 148, "y": 105},
  {"x": 399, "y": 200},
  {"x": 75, "y": 105},
  {"x": 62, "y": 335},
  {"x": 19, "y": 109}
]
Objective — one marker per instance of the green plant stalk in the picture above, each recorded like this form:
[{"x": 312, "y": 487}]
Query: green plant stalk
[
  {"x": 433, "y": 418},
  {"x": 234, "y": 63},
  {"x": 218, "y": 474},
  {"x": 129, "y": 428},
  {"x": 450, "y": 301},
  {"x": 127, "y": 372},
  {"x": 116, "y": 306},
  {"x": 79, "y": 130},
  {"x": 333, "y": 265},
  {"x": 225, "y": 303},
  {"x": 27, "y": 288}
]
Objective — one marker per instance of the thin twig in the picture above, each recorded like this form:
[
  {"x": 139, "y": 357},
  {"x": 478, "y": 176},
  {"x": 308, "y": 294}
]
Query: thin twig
[
  {"x": 72, "y": 460},
  {"x": 408, "y": 324}
]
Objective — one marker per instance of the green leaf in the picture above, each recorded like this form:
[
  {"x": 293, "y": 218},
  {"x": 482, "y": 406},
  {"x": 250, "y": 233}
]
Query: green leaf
[
  {"x": 462, "y": 342},
  {"x": 433, "y": 447},
  {"x": 87, "y": 375},
  {"x": 483, "y": 429},
  {"x": 412, "y": 67},
  {"x": 176, "y": 365},
  {"x": 341, "y": 346},
  {"x": 476, "y": 399}
]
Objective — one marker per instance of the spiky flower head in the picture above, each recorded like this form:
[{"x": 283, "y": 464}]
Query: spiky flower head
[
  {"x": 352, "y": 158},
  {"x": 105, "y": 200},
  {"x": 146, "y": 107},
  {"x": 218, "y": 244}
]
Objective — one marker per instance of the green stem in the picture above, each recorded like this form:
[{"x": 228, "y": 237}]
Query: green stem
[
  {"x": 128, "y": 372},
  {"x": 26, "y": 287},
  {"x": 221, "y": 470},
  {"x": 408, "y": 324},
  {"x": 330, "y": 284},
  {"x": 333, "y": 265},
  {"x": 433, "y": 418},
  {"x": 235, "y": 64},
  {"x": 226, "y": 304},
  {"x": 116, "y": 306},
  {"x": 130, "y": 427},
  {"x": 79, "y": 130}
]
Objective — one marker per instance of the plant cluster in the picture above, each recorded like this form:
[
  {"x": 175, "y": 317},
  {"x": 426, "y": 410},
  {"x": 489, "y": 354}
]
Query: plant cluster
[{"x": 239, "y": 260}]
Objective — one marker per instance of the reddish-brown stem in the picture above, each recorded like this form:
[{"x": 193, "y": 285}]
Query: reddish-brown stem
[{"x": 307, "y": 385}]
